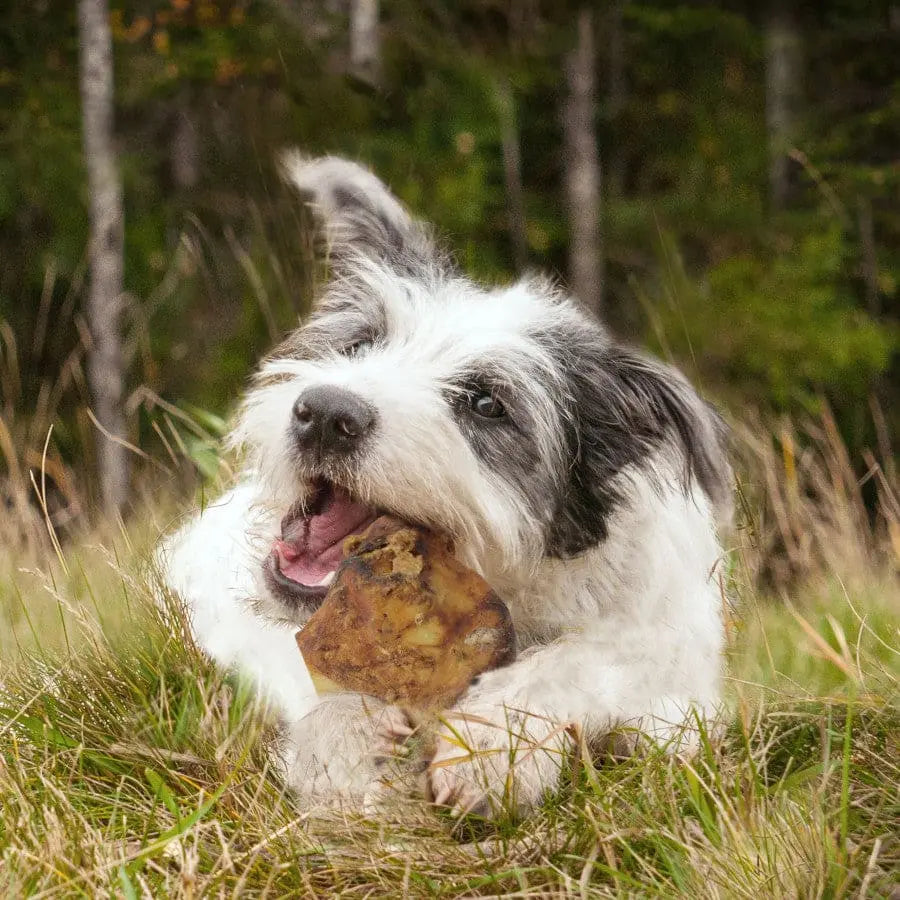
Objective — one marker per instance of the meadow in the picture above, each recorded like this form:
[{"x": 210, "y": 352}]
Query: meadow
[
  {"x": 131, "y": 767},
  {"x": 744, "y": 157}
]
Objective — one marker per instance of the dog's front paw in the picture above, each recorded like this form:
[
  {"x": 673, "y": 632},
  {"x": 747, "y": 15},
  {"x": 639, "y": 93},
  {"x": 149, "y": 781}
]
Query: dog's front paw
[
  {"x": 495, "y": 760},
  {"x": 393, "y": 729},
  {"x": 340, "y": 749}
]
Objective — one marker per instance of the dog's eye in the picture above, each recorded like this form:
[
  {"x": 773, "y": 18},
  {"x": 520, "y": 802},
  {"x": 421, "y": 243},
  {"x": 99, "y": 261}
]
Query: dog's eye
[
  {"x": 487, "y": 406},
  {"x": 358, "y": 348}
]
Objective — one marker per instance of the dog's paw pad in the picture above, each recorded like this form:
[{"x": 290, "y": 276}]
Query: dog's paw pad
[{"x": 448, "y": 790}]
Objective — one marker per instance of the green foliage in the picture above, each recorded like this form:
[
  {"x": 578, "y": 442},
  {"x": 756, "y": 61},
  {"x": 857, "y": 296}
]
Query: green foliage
[
  {"x": 773, "y": 309},
  {"x": 780, "y": 327}
]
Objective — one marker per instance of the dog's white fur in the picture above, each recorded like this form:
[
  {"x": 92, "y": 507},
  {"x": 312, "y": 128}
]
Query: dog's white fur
[
  {"x": 212, "y": 564},
  {"x": 626, "y": 633}
]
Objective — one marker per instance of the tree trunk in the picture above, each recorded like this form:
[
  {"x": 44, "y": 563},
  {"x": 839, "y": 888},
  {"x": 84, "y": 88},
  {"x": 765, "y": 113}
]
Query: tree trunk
[
  {"x": 184, "y": 147},
  {"x": 365, "y": 43},
  {"x": 869, "y": 256},
  {"x": 512, "y": 174},
  {"x": 104, "y": 300},
  {"x": 582, "y": 169},
  {"x": 782, "y": 90},
  {"x": 616, "y": 97}
]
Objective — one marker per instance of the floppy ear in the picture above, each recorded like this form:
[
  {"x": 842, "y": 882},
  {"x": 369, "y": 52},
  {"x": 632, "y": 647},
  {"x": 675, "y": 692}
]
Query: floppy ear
[
  {"x": 661, "y": 400},
  {"x": 357, "y": 213},
  {"x": 625, "y": 408}
]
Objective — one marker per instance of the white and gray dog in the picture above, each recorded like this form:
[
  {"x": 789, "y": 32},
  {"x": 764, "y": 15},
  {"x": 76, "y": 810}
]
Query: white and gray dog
[{"x": 583, "y": 480}]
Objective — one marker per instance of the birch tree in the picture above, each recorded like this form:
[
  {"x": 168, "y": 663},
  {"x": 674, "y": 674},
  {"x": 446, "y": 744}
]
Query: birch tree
[
  {"x": 582, "y": 168},
  {"x": 104, "y": 299},
  {"x": 782, "y": 90},
  {"x": 365, "y": 41}
]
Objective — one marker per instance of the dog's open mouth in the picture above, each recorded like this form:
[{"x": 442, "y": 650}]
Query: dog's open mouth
[{"x": 304, "y": 559}]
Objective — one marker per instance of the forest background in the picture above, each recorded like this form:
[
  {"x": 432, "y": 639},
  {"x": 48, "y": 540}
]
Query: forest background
[{"x": 742, "y": 214}]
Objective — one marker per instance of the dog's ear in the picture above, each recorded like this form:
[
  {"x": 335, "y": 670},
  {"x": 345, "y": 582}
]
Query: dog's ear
[
  {"x": 660, "y": 400},
  {"x": 356, "y": 212},
  {"x": 625, "y": 408}
]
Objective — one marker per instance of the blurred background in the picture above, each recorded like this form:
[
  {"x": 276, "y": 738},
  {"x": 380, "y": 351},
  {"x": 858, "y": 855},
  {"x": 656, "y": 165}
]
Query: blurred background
[{"x": 719, "y": 181}]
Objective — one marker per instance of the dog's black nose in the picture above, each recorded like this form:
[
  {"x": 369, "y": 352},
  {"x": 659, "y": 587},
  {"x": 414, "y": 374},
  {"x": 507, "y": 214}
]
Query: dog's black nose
[{"x": 331, "y": 419}]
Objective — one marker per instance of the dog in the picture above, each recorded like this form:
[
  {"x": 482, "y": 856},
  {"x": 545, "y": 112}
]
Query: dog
[{"x": 585, "y": 481}]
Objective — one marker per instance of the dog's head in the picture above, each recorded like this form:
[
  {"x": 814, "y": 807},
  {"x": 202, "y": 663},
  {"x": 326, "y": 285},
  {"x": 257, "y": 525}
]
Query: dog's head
[{"x": 504, "y": 417}]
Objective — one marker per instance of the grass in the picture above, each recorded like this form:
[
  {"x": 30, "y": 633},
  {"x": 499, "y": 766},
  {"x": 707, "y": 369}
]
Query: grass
[{"x": 130, "y": 767}]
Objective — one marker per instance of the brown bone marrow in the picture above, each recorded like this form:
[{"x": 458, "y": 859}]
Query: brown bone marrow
[{"x": 405, "y": 621}]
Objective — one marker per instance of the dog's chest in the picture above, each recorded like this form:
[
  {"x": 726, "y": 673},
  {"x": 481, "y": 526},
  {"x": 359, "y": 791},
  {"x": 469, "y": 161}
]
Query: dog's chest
[{"x": 546, "y": 608}]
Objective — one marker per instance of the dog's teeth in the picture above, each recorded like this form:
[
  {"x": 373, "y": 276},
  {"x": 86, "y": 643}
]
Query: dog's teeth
[{"x": 326, "y": 580}]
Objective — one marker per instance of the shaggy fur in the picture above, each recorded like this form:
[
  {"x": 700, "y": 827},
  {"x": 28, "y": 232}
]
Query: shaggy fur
[{"x": 588, "y": 497}]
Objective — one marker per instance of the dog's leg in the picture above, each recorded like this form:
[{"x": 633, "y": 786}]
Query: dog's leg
[
  {"x": 505, "y": 743},
  {"x": 212, "y": 565},
  {"x": 344, "y": 750}
]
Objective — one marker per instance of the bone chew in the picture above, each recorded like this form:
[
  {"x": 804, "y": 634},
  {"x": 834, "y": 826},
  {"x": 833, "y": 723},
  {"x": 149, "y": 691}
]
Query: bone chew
[{"x": 405, "y": 621}]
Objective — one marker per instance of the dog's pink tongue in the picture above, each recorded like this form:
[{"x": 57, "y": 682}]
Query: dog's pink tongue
[{"x": 311, "y": 548}]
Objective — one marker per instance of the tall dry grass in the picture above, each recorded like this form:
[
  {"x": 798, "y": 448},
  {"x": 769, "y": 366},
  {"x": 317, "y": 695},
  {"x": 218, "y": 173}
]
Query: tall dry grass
[
  {"x": 807, "y": 509},
  {"x": 130, "y": 767}
]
